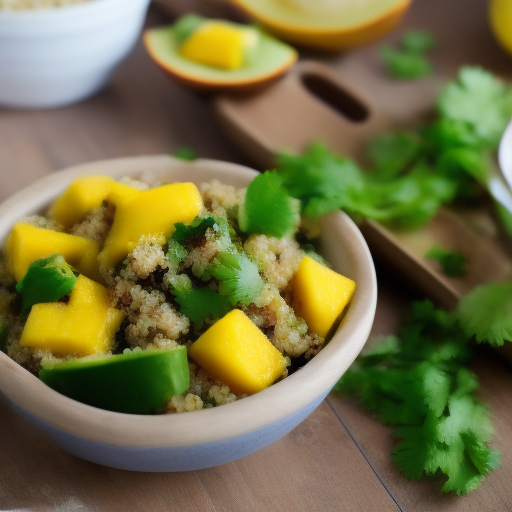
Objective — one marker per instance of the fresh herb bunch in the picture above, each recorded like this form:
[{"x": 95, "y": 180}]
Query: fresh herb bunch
[
  {"x": 419, "y": 383},
  {"x": 412, "y": 173}
]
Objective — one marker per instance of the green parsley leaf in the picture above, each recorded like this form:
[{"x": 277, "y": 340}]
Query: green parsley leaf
[
  {"x": 417, "y": 41},
  {"x": 453, "y": 263},
  {"x": 185, "y": 153},
  {"x": 418, "y": 382},
  {"x": 479, "y": 99},
  {"x": 405, "y": 65},
  {"x": 486, "y": 313},
  {"x": 238, "y": 277},
  {"x": 198, "y": 304},
  {"x": 268, "y": 208}
]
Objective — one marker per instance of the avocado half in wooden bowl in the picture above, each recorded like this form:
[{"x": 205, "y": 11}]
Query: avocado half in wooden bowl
[
  {"x": 217, "y": 55},
  {"x": 326, "y": 24}
]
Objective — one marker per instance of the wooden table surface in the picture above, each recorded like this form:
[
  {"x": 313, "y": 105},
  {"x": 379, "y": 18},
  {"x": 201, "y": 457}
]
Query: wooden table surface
[{"x": 339, "y": 458}]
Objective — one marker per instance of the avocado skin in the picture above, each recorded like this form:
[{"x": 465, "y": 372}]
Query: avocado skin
[{"x": 134, "y": 382}]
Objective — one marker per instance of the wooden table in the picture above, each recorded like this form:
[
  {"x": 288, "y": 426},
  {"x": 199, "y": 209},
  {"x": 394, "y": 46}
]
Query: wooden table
[{"x": 339, "y": 458}]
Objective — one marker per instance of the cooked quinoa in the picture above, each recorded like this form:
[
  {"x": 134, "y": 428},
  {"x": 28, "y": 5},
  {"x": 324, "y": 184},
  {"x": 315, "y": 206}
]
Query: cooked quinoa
[{"x": 141, "y": 287}]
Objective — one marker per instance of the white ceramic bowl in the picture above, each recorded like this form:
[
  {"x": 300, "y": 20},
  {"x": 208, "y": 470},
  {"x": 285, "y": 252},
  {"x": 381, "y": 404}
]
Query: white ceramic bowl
[
  {"x": 209, "y": 437},
  {"x": 54, "y": 57}
]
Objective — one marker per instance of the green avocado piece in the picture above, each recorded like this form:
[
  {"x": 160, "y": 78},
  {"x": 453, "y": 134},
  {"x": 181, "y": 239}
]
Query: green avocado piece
[
  {"x": 138, "y": 382},
  {"x": 268, "y": 59},
  {"x": 46, "y": 280}
]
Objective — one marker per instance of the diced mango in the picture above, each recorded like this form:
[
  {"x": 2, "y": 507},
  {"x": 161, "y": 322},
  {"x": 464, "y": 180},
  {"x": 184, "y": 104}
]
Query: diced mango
[
  {"x": 237, "y": 353},
  {"x": 149, "y": 212},
  {"x": 85, "y": 194},
  {"x": 216, "y": 44},
  {"x": 320, "y": 295},
  {"x": 85, "y": 325},
  {"x": 27, "y": 244}
]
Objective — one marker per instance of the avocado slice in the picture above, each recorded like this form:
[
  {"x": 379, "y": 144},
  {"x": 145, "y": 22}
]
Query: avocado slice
[
  {"x": 270, "y": 59},
  {"x": 136, "y": 382},
  {"x": 46, "y": 280},
  {"x": 326, "y": 25}
]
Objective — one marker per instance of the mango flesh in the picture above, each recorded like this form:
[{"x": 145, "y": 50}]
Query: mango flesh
[
  {"x": 149, "y": 212},
  {"x": 85, "y": 325},
  {"x": 85, "y": 194},
  {"x": 27, "y": 244},
  {"x": 236, "y": 352},
  {"x": 320, "y": 295},
  {"x": 216, "y": 44}
]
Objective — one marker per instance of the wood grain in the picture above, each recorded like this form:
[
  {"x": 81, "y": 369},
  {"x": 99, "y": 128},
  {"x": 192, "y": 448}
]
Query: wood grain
[{"x": 338, "y": 459}]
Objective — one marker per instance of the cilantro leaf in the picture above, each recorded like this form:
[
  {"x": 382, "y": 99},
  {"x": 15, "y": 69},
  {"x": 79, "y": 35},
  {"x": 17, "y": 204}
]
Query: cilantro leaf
[
  {"x": 405, "y": 65},
  {"x": 392, "y": 153},
  {"x": 417, "y": 41},
  {"x": 238, "y": 277},
  {"x": 185, "y": 153},
  {"x": 176, "y": 253},
  {"x": 196, "y": 228},
  {"x": 417, "y": 382},
  {"x": 453, "y": 263},
  {"x": 268, "y": 208},
  {"x": 486, "y": 313},
  {"x": 198, "y": 304},
  {"x": 479, "y": 99}
]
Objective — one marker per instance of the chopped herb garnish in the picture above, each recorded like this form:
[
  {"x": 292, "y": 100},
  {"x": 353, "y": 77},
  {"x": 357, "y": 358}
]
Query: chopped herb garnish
[
  {"x": 201, "y": 303},
  {"x": 486, "y": 313},
  {"x": 195, "y": 229},
  {"x": 185, "y": 153},
  {"x": 176, "y": 253},
  {"x": 418, "y": 41},
  {"x": 405, "y": 65},
  {"x": 418, "y": 382},
  {"x": 238, "y": 277},
  {"x": 268, "y": 208},
  {"x": 186, "y": 25},
  {"x": 453, "y": 263},
  {"x": 46, "y": 280}
]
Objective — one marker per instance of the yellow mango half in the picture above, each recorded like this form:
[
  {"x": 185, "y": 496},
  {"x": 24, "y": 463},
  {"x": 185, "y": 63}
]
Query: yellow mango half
[
  {"x": 236, "y": 352},
  {"x": 27, "y": 244},
  {"x": 85, "y": 325},
  {"x": 150, "y": 212},
  {"x": 320, "y": 295},
  {"x": 216, "y": 44},
  {"x": 85, "y": 194}
]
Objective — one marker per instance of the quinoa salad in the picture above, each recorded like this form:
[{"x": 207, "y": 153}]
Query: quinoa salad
[{"x": 169, "y": 289}]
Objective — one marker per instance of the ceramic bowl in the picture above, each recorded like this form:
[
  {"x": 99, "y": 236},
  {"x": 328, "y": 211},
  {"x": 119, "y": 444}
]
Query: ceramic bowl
[
  {"x": 54, "y": 57},
  {"x": 209, "y": 437}
]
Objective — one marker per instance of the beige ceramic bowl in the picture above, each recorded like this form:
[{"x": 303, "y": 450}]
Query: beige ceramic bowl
[{"x": 208, "y": 437}]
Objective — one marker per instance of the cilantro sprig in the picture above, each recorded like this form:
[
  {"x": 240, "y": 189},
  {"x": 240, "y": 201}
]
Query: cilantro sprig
[
  {"x": 453, "y": 263},
  {"x": 418, "y": 382}
]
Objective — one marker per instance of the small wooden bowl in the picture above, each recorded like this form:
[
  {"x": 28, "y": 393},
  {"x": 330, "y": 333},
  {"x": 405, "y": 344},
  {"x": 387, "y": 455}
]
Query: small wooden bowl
[{"x": 209, "y": 437}]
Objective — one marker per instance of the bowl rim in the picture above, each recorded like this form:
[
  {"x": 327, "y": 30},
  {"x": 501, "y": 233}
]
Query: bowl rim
[{"x": 231, "y": 420}]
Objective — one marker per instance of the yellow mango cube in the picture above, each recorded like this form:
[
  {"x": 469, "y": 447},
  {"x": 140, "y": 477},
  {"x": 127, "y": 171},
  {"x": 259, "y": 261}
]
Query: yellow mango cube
[
  {"x": 85, "y": 194},
  {"x": 216, "y": 44},
  {"x": 150, "y": 212},
  {"x": 85, "y": 325},
  {"x": 236, "y": 352},
  {"x": 320, "y": 295},
  {"x": 27, "y": 244}
]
